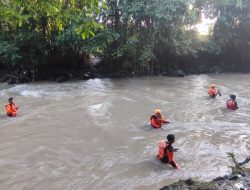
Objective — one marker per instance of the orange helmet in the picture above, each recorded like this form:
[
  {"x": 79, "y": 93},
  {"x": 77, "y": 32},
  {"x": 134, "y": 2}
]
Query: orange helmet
[
  {"x": 157, "y": 111},
  {"x": 212, "y": 85}
]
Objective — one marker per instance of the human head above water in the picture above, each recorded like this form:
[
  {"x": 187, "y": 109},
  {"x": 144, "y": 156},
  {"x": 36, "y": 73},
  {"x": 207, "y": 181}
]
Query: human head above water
[
  {"x": 171, "y": 138},
  {"x": 10, "y": 100},
  {"x": 212, "y": 85},
  {"x": 232, "y": 96},
  {"x": 158, "y": 112}
]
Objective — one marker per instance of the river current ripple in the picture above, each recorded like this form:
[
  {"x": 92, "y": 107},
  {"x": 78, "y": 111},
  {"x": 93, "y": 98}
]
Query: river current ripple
[{"x": 95, "y": 134}]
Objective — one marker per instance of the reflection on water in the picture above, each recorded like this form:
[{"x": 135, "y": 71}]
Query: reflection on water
[{"x": 96, "y": 135}]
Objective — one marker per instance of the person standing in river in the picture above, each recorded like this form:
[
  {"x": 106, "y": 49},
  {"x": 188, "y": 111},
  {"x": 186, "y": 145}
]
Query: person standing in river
[
  {"x": 213, "y": 91},
  {"x": 166, "y": 151},
  {"x": 11, "y": 108},
  {"x": 156, "y": 119},
  {"x": 231, "y": 103}
]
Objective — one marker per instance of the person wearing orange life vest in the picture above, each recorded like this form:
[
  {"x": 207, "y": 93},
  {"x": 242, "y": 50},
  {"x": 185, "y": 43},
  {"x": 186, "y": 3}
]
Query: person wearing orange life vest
[
  {"x": 213, "y": 92},
  {"x": 11, "y": 108},
  {"x": 166, "y": 151},
  {"x": 231, "y": 103},
  {"x": 156, "y": 119}
]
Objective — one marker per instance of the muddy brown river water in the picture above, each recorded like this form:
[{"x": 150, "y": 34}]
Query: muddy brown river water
[{"x": 95, "y": 134}]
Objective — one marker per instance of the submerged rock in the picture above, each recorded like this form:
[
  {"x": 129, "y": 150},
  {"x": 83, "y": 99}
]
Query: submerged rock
[
  {"x": 62, "y": 79},
  {"x": 178, "y": 73},
  {"x": 215, "y": 69},
  {"x": 173, "y": 73}
]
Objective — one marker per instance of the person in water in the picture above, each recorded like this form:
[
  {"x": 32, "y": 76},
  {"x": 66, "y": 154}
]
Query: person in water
[
  {"x": 231, "y": 103},
  {"x": 156, "y": 119},
  {"x": 11, "y": 108},
  {"x": 166, "y": 151},
  {"x": 213, "y": 91}
]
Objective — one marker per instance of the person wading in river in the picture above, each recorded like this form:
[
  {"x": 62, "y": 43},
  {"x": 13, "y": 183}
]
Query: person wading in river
[
  {"x": 156, "y": 119},
  {"x": 213, "y": 92},
  {"x": 166, "y": 151},
  {"x": 11, "y": 108},
  {"x": 231, "y": 103}
]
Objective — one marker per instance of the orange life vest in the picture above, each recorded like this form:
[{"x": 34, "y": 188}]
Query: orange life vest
[
  {"x": 157, "y": 121},
  {"x": 161, "y": 152},
  {"x": 11, "y": 109},
  {"x": 212, "y": 92},
  {"x": 165, "y": 150},
  {"x": 231, "y": 105}
]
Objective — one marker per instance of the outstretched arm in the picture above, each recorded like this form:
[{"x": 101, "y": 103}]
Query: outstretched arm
[
  {"x": 236, "y": 106},
  {"x": 172, "y": 162},
  {"x": 218, "y": 92},
  {"x": 164, "y": 121}
]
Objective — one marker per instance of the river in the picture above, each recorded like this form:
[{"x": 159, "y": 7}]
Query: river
[{"x": 95, "y": 134}]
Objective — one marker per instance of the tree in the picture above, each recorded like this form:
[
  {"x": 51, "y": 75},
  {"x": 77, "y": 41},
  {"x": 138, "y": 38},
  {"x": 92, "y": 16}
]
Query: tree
[
  {"x": 34, "y": 29},
  {"x": 145, "y": 31},
  {"x": 231, "y": 31}
]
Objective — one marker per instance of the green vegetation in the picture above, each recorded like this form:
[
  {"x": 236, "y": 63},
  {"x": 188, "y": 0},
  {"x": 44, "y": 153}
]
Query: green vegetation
[
  {"x": 140, "y": 37},
  {"x": 231, "y": 32},
  {"x": 237, "y": 166},
  {"x": 43, "y": 32}
]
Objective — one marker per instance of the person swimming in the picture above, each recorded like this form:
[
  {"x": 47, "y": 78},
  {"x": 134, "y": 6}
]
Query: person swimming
[
  {"x": 166, "y": 151},
  {"x": 213, "y": 91},
  {"x": 231, "y": 103},
  {"x": 156, "y": 119},
  {"x": 11, "y": 108}
]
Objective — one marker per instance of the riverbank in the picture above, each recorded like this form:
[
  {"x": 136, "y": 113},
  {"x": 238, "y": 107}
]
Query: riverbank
[
  {"x": 240, "y": 181},
  {"x": 63, "y": 75},
  {"x": 67, "y": 72}
]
